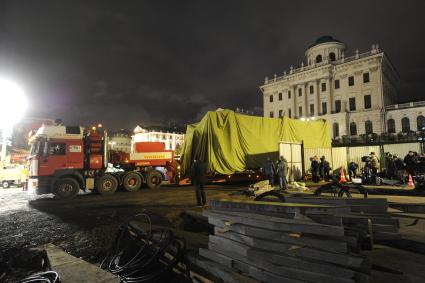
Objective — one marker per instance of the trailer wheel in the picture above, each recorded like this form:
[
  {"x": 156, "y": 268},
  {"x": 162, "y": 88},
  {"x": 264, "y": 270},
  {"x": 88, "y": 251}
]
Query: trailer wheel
[
  {"x": 154, "y": 179},
  {"x": 106, "y": 185},
  {"x": 132, "y": 181},
  {"x": 5, "y": 184},
  {"x": 66, "y": 188}
]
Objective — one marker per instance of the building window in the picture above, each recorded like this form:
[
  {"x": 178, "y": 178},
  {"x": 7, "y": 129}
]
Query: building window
[
  {"x": 300, "y": 111},
  {"x": 289, "y": 113},
  {"x": 311, "y": 89},
  {"x": 280, "y": 113},
  {"x": 366, "y": 78},
  {"x": 280, "y": 96},
  {"x": 350, "y": 81},
  {"x": 324, "y": 108},
  {"x": 300, "y": 92},
  {"x": 289, "y": 94},
  {"x": 367, "y": 102},
  {"x": 311, "y": 109},
  {"x": 352, "y": 102},
  {"x": 391, "y": 126},
  {"x": 319, "y": 58},
  {"x": 337, "y": 106},
  {"x": 405, "y": 125},
  {"x": 368, "y": 127},
  {"x": 336, "y": 130},
  {"x": 336, "y": 84},
  {"x": 323, "y": 86},
  {"x": 271, "y": 98},
  {"x": 332, "y": 56},
  {"x": 271, "y": 114},
  {"x": 353, "y": 129},
  {"x": 421, "y": 123}
]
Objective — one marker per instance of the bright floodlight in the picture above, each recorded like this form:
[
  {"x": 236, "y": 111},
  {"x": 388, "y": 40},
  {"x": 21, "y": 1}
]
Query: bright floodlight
[{"x": 13, "y": 103}]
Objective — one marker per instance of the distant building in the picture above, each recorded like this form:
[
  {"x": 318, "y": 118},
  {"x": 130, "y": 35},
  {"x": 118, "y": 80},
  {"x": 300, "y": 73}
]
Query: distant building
[
  {"x": 120, "y": 141},
  {"x": 357, "y": 94},
  {"x": 171, "y": 140},
  {"x": 27, "y": 126}
]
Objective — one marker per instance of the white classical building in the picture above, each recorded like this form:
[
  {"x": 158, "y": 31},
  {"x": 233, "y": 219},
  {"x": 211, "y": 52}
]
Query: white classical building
[
  {"x": 171, "y": 140},
  {"x": 120, "y": 141},
  {"x": 357, "y": 94}
]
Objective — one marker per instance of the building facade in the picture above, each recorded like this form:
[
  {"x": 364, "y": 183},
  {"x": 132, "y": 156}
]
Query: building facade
[
  {"x": 172, "y": 141},
  {"x": 357, "y": 94},
  {"x": 120, "y": 141}
]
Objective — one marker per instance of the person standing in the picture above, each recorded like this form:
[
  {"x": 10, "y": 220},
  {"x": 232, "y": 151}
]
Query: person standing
[
  {"x": 198, "y": 171},
  {"x": 282, "y": 172},
  {"x": 315, "y": 168},
  {"x": 374, "y": 162},
  {"x": 410, "y": 161},
  {"x": 269, "y": 171},
  {"x": 324, "y": 168}
]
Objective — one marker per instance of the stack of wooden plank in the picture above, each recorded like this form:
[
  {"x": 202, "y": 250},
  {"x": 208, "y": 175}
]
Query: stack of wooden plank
[
  {"x": 280, "y": 242},
  {"x": 364, "y": 212}
]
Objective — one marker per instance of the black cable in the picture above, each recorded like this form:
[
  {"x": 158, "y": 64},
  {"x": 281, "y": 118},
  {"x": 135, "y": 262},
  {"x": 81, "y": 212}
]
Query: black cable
[
  {"x": 137, "y": 255},
  {"x": 43, "y": 277}
]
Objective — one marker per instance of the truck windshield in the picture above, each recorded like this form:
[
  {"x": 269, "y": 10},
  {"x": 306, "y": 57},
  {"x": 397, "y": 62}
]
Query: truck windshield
[{"x": 37, "y": 147}]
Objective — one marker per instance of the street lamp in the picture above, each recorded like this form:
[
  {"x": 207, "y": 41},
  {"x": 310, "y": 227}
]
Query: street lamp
[{"x": 13, "y": 106}]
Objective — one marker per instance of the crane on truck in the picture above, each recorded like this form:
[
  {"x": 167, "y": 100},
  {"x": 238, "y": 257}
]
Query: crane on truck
[{"x": 65, "y": 159}]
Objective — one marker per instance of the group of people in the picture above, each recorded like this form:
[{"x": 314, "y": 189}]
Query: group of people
[
  {"x": 320, "y": 169},
  {"x": 279, "y": 168},
  {"x": 395, "y": 167}
]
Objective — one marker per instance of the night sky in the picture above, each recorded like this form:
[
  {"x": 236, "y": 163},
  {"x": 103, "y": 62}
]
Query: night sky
[{"x": 124, "y": 63}]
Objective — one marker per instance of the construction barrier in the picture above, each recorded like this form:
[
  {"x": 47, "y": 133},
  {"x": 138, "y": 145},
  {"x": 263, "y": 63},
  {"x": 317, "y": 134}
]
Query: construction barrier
[{"x": 341, "y": 156}]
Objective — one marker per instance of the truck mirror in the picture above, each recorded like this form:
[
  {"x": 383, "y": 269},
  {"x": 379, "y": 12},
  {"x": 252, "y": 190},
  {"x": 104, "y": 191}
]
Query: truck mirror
[{"x": 45, "y": 149}]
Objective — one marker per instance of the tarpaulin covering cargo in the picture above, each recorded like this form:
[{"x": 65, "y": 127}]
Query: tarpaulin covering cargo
[{"x": 230, "y": 142}]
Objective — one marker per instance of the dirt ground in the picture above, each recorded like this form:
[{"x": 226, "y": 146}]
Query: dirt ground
[{"x": 86, "y": 225}]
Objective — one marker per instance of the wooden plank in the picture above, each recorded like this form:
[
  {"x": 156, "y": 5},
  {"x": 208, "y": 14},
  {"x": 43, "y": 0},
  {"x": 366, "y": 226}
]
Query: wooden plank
[
  {"x": 255, "y": 255},
  {"x": 242, "y": 247},
  {"x": 239, "y": 205},
  {"x": 218, "y": 270},
  {"x": 274, "y": 223},
  {"x": 321, "y": 243},
  {"x": 287, "y": 271},
  {"x": 384, "y": 228}
]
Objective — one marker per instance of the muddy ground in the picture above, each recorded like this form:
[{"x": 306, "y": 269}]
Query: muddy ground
[{"x": 86, "y": 225}]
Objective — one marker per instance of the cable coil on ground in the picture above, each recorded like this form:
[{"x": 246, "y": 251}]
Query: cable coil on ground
[{"x": 139, "y": 255}]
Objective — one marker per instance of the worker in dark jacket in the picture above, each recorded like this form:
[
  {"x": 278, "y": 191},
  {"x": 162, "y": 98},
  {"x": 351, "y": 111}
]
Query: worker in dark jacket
[
  {"x": 269, "y": 171},
  {"x": 315, "y": 162},
  {"x": 324, "y": 168},
  {"x": 198, "y": 171},
  {"x": 282, "y": 172}
]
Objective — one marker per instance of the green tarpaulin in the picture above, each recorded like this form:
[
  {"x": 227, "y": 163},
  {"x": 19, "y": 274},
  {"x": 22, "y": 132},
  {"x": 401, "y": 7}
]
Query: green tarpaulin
[{"x": 230, "y": 142}]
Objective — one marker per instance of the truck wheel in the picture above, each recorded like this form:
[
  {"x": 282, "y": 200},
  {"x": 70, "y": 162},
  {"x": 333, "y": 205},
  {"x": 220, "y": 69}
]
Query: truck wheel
[
  {"x": 154, "y": 179},
  {"x": 132, "y": 182},
  {"x": 5, "y": 184},
  {"x": 66, "y": 188},
  {"x": 107, "y": 185}
]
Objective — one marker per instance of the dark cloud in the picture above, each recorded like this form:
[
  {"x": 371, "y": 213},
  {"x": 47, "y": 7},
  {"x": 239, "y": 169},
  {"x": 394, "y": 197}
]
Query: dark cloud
[{"x": 162, "y": 62}]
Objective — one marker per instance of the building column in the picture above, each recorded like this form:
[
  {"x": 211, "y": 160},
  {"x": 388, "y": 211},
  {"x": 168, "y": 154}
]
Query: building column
[
  {"x": 317, "y": 99},
  {"x": 331, "y": 106}
]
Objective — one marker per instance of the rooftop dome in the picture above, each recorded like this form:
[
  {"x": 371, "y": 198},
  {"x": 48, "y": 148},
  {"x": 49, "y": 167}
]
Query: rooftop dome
[{"x": 324, "y": 39}]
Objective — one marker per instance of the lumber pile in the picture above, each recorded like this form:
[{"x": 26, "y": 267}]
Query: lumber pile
[
  {"x": 281, "y": 242},
  {"x": 364, "y": 213}
]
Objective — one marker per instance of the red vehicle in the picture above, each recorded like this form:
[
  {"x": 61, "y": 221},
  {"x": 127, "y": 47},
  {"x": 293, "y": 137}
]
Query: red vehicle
[{"x": 66, "y": 159}]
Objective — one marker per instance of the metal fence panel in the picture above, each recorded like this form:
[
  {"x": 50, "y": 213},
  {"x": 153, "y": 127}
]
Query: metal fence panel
[{"x": 402, "y": 148}]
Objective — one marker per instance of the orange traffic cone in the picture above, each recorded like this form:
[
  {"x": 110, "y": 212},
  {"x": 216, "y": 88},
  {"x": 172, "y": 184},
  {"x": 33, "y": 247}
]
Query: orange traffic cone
[
  {"x": 411, "y": 184},
  {"x": 342, "y": 176}
]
